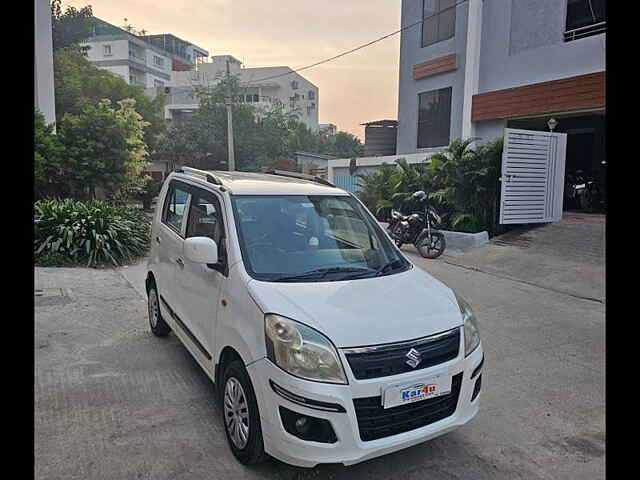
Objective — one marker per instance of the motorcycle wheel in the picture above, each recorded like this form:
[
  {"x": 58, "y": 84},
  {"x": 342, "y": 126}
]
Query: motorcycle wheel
[
  {"x": 433, "y": 249},
  {"x": 394, "y": 237}
]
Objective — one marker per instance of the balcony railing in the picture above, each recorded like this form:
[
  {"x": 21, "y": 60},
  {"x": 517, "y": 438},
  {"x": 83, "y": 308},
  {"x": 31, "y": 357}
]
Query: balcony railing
[
  {"x": 138, "y": 58},
  {"x": 583, "y": 32}
]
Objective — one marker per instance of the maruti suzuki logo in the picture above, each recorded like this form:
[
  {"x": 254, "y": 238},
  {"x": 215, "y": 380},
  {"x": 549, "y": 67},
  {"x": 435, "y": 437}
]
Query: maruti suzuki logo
[{"x": 414, "y": 358}]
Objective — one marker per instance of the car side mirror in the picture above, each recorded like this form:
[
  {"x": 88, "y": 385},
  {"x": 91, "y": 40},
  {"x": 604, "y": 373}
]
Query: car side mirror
[{"x": 201, "y": 250}]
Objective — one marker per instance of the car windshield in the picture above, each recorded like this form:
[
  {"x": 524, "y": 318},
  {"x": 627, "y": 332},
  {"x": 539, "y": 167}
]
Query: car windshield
[{"x": 309, "y": 238}]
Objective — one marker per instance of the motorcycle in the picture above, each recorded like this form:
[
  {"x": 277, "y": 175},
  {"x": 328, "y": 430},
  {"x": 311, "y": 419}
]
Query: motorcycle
[
  {"x": 583, "y": 192},
  {"x": 418, "y": 229}
]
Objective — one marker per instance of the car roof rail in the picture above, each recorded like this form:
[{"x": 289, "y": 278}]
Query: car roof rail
[
  {"x": 209, "y": 177},
  {"x": 301, "y": 176}
]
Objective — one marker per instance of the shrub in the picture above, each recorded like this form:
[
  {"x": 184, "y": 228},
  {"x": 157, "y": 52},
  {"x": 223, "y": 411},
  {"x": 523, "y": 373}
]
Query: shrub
[
  {"x": 90, "y": 232},
  {"x": 461, "y": 181}
]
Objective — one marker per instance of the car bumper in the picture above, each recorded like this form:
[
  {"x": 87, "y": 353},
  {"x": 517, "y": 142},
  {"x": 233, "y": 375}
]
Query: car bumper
[{"x": 349, "y": 448}]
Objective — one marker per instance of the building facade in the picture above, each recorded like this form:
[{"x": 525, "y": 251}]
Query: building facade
[
  {"x": 43, "y": 88},
  {"x": 137, "y": 59},
  {"x": 326, "y": 129},
  {"x": 473, "y": 68},
  {"x": 261, "y": 86}
]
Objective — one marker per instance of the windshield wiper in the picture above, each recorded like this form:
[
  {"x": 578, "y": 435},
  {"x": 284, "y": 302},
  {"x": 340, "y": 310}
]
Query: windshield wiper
[
  {"x": 381, "y": 271},
  {"x": 321, "y": 273},
  {"x": 389, "y": 267}
]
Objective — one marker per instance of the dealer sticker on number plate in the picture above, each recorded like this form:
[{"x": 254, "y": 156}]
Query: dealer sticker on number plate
[{"x": 430, "y": 387}]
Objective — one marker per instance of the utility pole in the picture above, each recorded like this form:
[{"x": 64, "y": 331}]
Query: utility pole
[{"x": 232, "y": 160}]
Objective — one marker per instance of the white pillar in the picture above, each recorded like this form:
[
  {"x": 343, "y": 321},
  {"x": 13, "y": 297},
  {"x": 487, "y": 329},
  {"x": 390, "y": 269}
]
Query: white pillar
[
  {"x": 472, "y": 64},
  {"x": 43, "y": 66}
]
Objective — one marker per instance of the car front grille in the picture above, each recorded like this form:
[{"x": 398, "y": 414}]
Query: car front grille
[
  {"x": 383, "y": 361},
  {"x": 375, "y": 422}
]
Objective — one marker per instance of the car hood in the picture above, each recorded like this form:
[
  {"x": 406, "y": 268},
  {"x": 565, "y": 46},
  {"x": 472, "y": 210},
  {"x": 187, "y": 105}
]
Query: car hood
[{"x": 367, "y": 311}]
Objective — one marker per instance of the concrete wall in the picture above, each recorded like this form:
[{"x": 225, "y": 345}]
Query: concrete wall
[
  {"x": 522, "y": 43},
  {"x": 119, "y": 50},
  {"x": 412, "y": 53},
  {"x": 44, "y": 99},
  {"x": 120, "y": 70}
]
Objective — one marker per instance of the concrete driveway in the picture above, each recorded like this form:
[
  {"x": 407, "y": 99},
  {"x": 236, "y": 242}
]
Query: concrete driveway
[{"x": 112, "y": 401}]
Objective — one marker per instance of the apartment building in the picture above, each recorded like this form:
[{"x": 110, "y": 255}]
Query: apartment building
[
  {"x": 184, "y": 55},
  {"x": 326, "y": 129},
  {"x": 261, "y": 86},
  {"x": 473, "y": 68},
  {"x": 137, "y": 59}
]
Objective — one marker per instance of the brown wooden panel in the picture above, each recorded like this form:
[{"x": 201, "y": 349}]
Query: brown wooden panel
[
  {"x": 566, "y": 94},
  {"x": 432, "y": 67}
]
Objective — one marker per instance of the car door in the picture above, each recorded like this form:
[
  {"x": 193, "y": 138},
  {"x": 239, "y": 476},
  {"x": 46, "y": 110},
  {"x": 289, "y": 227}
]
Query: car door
[
  {"x": 201, "y": 285},
  {"x": 170, "y": 237}
]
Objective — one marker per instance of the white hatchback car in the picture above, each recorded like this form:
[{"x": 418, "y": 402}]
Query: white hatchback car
[{"x": 326, "y": 344}]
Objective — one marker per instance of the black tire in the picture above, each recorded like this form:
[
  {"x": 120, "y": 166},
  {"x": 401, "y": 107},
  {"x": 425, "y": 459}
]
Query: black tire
[
  {"x": 438, "y": 244},
  {"x": 158, "y": 326},
  {"x": 393, "y": 237},
  {"x": 252, "y": 452}
]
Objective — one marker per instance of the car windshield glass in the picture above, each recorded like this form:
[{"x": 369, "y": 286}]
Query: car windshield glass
[{"x": 307, "y": 238}]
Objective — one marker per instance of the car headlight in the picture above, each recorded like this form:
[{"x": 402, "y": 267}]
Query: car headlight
[
  {"x": 471, "y": 333},
  {"x": 301, "y": 350}
]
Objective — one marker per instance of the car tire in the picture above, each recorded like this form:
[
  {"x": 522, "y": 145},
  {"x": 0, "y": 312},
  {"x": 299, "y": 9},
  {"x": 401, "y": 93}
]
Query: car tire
[
  {"x": 237, "y": 396},
  {"x": 158, "y": 326}
]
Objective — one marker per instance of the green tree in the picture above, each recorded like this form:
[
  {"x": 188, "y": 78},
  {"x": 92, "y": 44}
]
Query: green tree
[
  {"x": 71, "y": 27},
  {"x": 48, "y": 159},
  {"x": 376, "y": 188},
  {"x": 78, "y": 83},
  {"x": 104, "y": 148},
  {"x": 262, "y": 136},
  {"x": 341, "y": 145}
]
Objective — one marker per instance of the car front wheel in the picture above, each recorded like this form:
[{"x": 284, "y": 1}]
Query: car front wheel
[{"x": 240, "y": 415}]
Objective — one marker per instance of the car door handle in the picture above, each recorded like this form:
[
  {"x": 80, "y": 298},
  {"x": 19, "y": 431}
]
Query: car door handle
[{"x": 180, "y": 262}]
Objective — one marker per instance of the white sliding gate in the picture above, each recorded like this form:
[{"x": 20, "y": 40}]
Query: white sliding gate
[{"x": 532, "y": 176}]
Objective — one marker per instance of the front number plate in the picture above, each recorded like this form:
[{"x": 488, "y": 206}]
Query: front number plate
[{"x": 430, "y": 387}]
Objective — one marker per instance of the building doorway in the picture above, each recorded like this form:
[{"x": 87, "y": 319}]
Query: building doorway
[{"x": 586, "y": 163}]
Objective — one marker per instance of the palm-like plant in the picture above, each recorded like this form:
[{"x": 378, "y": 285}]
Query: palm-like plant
[
  {"x": 375, "y": 188},
  {"x": 465, "y": 183}
]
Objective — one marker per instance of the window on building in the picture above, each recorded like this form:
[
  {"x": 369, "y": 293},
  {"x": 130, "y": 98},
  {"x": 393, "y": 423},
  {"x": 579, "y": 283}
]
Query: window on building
[
  {"x": 106, "y": 50},
  {"x": 439, "y": 21},
  {"x": 585, "y": 18},
  {"x": 158, "y": 61},
  {"x": 84, "y": 50},
  {"x": 434, "y": 118},
  {"x": 312, "y": 95}
]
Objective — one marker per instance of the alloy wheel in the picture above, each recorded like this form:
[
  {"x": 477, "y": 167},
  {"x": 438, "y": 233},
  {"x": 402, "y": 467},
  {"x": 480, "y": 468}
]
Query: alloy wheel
[
  {"x": 236, "y": 413},
  {"x": 154, "y": 310}
]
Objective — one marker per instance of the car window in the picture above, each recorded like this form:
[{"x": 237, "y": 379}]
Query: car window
[
  {"x": 174, "y": 207},
  {"x": 205, "y": 219}
]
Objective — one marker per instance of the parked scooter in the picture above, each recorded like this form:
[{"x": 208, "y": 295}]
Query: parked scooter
[{"x": 418, "y": 228}]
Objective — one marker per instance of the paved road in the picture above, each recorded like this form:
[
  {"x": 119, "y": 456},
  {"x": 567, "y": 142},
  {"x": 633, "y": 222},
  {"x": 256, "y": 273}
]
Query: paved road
[{"x": 114, "y": 402}]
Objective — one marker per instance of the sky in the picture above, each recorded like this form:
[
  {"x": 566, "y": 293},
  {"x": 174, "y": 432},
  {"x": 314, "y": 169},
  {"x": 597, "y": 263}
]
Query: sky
[{"x": 360, "y": 87}]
